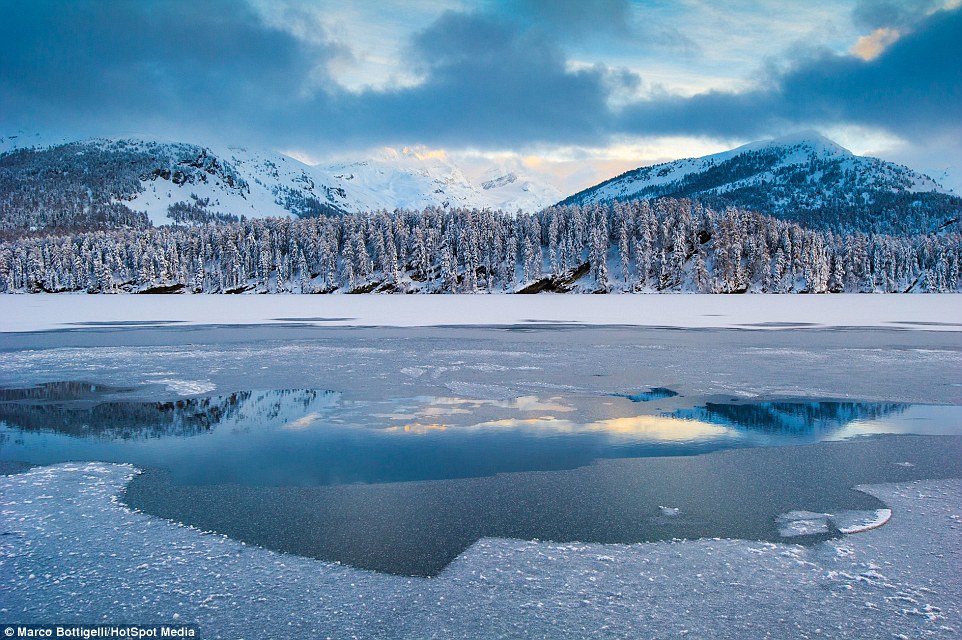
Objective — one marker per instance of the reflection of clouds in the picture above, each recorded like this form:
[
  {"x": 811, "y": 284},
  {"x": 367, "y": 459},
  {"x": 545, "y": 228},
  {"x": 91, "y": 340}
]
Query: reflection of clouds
[
  {"x": 445, "y": 405},
  {"x": 657, "y": 428},
  {"x": 427, "y": 414},
  {"x": 417, "y": 428},
  {"x": 442, "y": 411},
  {"x": 545, "y": 422},
  {"x": 531, "y": 403},
  {"x": 641, "y": 427},
  {"x": 302, "y": 423}
]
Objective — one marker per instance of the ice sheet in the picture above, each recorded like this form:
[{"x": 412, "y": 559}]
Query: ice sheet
[{"x": 931, "y": 312}]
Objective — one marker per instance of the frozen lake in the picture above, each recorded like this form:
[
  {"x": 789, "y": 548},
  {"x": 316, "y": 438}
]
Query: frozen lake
[
  {"x": 933, "y": 312},
  {"x": 445, "y": 449},
  {"x": 300, "y": 470}
]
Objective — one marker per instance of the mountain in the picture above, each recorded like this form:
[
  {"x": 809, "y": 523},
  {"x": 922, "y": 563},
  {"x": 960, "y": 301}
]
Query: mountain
[
  {"x": 804, "y": 177},
  {"x": 118, "y": 182},
  {"x": 416, "y": 179}
]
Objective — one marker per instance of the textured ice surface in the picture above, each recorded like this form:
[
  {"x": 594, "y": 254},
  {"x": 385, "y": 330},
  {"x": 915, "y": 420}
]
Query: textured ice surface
[
  {"x": 806, "y": 523},
  {"x": 802, "y": 523},
  {"x": 878, "y": 365},
  {"x": 859, "y": 521},
  {"x": 185, "y": 387},
  {"x": 69, "y": 552}
]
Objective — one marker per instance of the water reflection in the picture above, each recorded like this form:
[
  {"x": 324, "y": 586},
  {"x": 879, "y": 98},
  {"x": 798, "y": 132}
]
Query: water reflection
[
  {"x": 649, "y": 428},
  {"x": 79, "y": 409},
  {"x": 59, "y": 391},
  {"x": 655, "y": 393},
  {"x": 791, "y": 418},
  {"x": 306, "y": 471},
  {"x": 310, "y": 437}
]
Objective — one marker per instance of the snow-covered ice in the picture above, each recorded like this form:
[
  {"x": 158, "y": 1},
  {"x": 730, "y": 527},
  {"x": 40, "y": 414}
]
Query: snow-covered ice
[
  {"x": 184, "y": 387},
  {"x": 71, "y": 552},
  {"x": 931, "y": 312},
  {"x": 802, "y": 523},
  {"x": 859, "y": 521},
  {"x": 807, "y": 523}
]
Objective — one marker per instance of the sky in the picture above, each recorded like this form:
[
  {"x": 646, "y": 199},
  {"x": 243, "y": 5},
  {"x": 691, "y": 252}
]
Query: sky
[{"x": 575, "y": 91}]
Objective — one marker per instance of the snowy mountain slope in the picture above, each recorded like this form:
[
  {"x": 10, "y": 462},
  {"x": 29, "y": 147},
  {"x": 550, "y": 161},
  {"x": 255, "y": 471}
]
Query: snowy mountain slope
[
  {"x": 114, "y": 182},
  {"x": 804, "y": 177},
  {"x": 104, "y": 183},
  {"x": 242, "y": 184},
  {"x": 12, "y": 141},
  {"x": 407, "y": 179}
]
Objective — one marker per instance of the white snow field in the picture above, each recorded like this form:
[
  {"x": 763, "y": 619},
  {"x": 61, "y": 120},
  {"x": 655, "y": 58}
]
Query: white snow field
[
  {"x": 931, "y": 312},
  {"x": 71, "y": 552}
]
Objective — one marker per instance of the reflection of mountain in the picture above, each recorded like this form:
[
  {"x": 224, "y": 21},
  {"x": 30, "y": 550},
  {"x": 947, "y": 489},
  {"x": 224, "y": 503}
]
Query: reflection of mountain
[
  {"x": 133, "y": 420},
  {"x": 59, "y": 391},
  {"x": 655, "y": 393},
  {"x": 790, "y": 417}
]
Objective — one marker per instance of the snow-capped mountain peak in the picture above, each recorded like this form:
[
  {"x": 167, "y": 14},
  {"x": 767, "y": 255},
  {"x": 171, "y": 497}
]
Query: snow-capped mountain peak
[
  {"x": 810, "y": 140},
  {"x": 802, "y": 176}
]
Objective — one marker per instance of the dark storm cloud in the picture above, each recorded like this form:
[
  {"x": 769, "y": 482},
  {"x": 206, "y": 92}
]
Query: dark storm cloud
[
  {"x": 216, "y": 68},
  {"x": 127, "y": 63},
  {"x": 488, "y": 83},
  {"x": 914, "y": 88},
  {"x": 488, "y": 80}
]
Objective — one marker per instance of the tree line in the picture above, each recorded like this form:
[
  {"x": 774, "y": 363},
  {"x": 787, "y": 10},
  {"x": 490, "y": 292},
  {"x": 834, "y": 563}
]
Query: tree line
[{"x": 665, "y": 245}]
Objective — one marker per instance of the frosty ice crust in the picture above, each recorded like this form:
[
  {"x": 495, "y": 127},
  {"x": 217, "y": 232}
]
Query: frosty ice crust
[{"x": 806, "y": 523}]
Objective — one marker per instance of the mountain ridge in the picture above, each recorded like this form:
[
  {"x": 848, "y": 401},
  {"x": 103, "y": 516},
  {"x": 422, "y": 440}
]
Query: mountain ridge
[
  {"x": 52, "y": 184},
  {"x": 803, "y": 177},
  {"x": 108, "y": 182}
]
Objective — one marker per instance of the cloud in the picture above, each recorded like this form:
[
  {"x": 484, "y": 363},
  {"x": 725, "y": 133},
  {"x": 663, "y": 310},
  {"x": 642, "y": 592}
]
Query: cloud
[
  {"x": 131, "y": 63},
  {"x": 898, "y": 14},
  {"x": 486, "y": 83},
  {"x": 871, "y": 46},
  {"x": 908, "y": 89},
  {"x": 499, "y": 79},
  {"x": 601, "y": 21},
  {"x": 575, "y": 18}
]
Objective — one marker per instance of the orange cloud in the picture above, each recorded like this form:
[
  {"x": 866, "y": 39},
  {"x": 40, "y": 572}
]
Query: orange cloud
[{"x": 871, "y": 46}]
